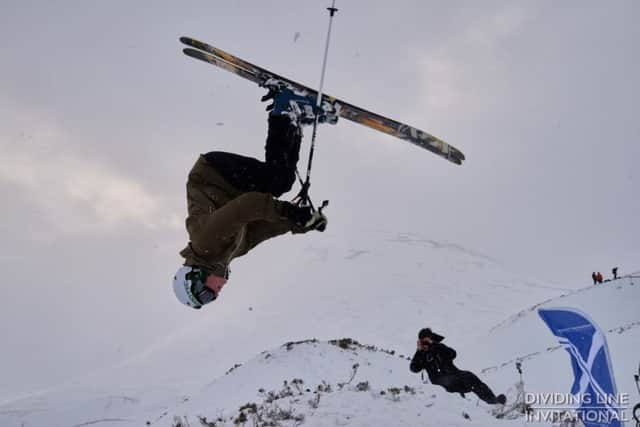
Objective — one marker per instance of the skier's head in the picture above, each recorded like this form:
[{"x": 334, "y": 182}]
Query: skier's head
[
  {"x": 195, "y": 286},
  {"x": 428, "y": 334}
]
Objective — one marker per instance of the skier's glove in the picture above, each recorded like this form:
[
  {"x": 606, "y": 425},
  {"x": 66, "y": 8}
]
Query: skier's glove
[
  {"x": 318, "y": 222},
  {"x": 299, "y": 215},
  {"x": 304, "y": 217}
]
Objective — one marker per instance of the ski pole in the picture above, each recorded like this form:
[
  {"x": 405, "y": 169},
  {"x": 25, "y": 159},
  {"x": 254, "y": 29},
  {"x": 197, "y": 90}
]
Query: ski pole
[{"x": 332, "y": 10}]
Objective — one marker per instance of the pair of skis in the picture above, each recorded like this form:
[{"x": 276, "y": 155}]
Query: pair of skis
[{"x": 212, "y": 55}]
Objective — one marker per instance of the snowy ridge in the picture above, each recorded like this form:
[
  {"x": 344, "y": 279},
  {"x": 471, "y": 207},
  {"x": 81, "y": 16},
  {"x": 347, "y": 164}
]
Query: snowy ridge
[
  {"x": 627, "y": 279},
  {"x": 340, "y": 382}
]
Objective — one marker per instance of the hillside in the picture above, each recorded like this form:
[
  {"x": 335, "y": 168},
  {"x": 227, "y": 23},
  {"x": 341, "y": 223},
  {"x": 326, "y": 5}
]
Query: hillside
[{"x": 212, "y": 368}]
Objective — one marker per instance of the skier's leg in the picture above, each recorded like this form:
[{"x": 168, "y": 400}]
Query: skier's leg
[
  {"x": 277, "y": 174},
  {"x": 282, "y": 152},
  {"x": 472, "y": 383},
  {"x": 229, "y": 219},
  {"x": 451, "y": 383},
  {"x": 458, "y": 382}
]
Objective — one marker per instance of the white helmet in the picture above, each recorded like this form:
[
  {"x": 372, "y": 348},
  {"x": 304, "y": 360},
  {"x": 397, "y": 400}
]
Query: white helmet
[{"x": 189, "y": 287}]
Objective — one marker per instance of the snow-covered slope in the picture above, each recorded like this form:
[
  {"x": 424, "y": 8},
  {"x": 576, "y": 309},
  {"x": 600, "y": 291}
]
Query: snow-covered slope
[
  {"x": 378, "y": 291},
  {"x": 614, "y": 306},
  {"x": 342, "y": 383},
  {"x": 327, "y": 384}
]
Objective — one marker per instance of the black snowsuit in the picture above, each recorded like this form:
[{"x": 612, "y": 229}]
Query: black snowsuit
[{"x": 438, "y": 362}]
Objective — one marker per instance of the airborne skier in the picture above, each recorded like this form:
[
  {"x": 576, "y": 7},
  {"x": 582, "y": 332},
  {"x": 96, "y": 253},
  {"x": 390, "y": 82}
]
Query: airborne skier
[{"x": 232, "y": 199}]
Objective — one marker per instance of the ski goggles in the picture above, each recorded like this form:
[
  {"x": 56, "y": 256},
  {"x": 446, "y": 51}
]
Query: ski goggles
[{"x": 199, "y": 289}]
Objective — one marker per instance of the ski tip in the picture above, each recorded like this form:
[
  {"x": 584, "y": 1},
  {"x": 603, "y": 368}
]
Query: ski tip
[
  {"x": 194, "y": 53},
  {"x": 185, "y": 40},
  {"x": 457, "y": 157}
]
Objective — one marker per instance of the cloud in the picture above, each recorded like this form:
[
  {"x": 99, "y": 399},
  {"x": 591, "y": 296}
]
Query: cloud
[
  {"x": 487, "y": 31},
  {"x": 453, "y": 70},
  {"x": 74, "y": 191},
  {"x": 439, "y": 77}
]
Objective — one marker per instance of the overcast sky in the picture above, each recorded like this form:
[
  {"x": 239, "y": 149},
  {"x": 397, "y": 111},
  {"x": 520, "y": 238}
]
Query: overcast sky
[{"x": 102, "y": 116}]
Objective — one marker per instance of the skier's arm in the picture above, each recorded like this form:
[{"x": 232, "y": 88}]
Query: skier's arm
[
  {"x": 417, "y": 363},
  {"x": 444, "y": 351}
]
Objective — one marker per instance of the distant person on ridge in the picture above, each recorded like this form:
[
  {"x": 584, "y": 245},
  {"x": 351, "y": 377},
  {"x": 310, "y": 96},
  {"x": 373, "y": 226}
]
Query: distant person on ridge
[
  {"x": 615, "y": 273},
  {"x": 232, "y": 199},
  {"x": 599, "y": 277},
  {"x": 437, "y": 359},
  {"x": 595, "y": 278}
]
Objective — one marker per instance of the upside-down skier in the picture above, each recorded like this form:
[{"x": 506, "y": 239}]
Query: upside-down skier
[
  {"x": 232, "y": 199},
  {"x": 437, "y": 359}
]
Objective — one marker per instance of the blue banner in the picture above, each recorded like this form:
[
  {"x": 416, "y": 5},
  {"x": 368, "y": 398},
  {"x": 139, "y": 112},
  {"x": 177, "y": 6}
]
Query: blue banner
[{"x": 594, "y": 386}]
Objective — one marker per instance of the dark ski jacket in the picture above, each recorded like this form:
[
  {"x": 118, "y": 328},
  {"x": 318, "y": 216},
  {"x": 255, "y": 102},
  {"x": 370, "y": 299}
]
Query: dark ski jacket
[{"x": 437, "y": 361}]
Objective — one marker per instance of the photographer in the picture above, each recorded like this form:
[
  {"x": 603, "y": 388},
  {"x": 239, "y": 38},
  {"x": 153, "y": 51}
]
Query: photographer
[{"x": 437, "y": 359}]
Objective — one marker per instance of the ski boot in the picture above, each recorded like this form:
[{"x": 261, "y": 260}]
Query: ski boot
[{"x": 299, "y": 106}]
